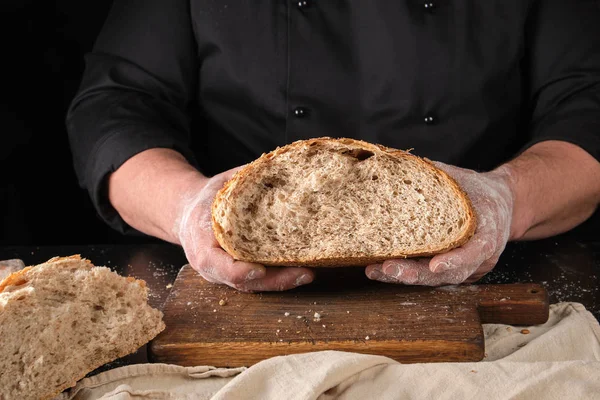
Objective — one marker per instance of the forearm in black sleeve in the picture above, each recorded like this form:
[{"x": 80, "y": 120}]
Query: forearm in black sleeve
[
  {"x": 138, "y": 81},
  {"x": 563, "y": 62}
]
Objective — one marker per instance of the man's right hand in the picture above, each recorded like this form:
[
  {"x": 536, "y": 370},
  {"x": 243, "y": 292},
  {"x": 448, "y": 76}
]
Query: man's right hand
[{"x": 193, "y": 227}]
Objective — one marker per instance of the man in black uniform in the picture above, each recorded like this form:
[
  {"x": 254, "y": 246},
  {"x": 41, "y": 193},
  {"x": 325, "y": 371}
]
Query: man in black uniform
[{"x": 505, "y": 93}]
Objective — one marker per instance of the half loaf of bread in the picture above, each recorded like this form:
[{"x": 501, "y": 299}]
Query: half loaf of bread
[
  {"x": 339, "y": 202},
  {"x": 64, "y": 318}
]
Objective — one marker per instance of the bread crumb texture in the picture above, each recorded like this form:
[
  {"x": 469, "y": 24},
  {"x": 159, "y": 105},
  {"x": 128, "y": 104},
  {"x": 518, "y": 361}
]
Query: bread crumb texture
[
  {"x": 64, "y": 318},
  {"x": 339, "y": 202}
]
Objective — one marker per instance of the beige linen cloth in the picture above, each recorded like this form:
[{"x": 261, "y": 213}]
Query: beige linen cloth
[{"x": 557, "y": 360}]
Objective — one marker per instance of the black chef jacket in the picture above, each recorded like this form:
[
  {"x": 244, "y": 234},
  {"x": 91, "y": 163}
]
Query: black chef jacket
[{"x": 467, "y": 82}]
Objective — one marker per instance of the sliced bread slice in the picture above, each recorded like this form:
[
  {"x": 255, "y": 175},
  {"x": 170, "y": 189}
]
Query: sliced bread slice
[
  {"x": 64, "y": 318},
  {"x": 339, "y": 202}
]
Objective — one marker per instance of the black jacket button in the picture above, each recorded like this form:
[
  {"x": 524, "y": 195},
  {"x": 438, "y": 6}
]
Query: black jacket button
[
  {"x": 429, "y": 6},
  {"x": 429, "y": 119},
  {"x": 301, "y": 112},
  {"x": 303, "y": 4}
]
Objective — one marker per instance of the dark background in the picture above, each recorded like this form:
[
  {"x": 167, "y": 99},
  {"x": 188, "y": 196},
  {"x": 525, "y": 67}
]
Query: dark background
[{"x": 43, "y": 44}]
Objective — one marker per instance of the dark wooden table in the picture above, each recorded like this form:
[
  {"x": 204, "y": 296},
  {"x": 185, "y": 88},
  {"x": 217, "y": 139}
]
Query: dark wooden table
[{"x": 568, "y": 265}]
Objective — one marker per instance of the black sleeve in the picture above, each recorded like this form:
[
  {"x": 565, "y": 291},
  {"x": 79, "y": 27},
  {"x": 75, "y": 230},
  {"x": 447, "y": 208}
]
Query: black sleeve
[
  {"x": 563, "y": 63},
  {"x": 138, "y": 81}
]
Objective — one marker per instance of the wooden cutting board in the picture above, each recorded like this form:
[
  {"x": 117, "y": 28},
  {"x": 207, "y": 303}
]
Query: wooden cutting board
[{"x": 208, "y": 324}]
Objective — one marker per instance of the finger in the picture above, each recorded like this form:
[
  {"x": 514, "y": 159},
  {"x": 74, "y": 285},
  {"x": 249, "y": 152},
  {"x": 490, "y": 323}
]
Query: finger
[
  {"x": 408, "y": 271},
  {"x": 475, "y": 277},
  {"x": 417, "y": 272},
  {"x": 215, "y": 183},
  {"x": 205, "y": 201},
  {"x": 218, "y": 266},
  {"x": 443, "y": 166},
  {"x": 484, "y": 269},
  {"x": 422, "y": 275},
  {"x": 390, "y": 271},
  {"x": 278, "y": 279},
  {"x": 452, "y": 170},
  {"x": 375, "y": 272},
  {"x": 227, "y": 175},
  {"x": 469, "y": 256}
]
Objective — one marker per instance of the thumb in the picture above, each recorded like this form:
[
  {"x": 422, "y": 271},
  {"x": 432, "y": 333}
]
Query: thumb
[
  {"x": 227, "y": 175},
  {"x": 447, "y": 168}
]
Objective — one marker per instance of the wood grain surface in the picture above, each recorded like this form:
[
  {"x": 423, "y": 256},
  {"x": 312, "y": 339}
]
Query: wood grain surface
[{"x": 210, "y": 324}]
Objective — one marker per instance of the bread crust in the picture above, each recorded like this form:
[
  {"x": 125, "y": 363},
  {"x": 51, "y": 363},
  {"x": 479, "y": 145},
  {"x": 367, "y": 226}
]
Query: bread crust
[
  {"x": 229, "y": 189},
  {"x": 15, "y": 278}
]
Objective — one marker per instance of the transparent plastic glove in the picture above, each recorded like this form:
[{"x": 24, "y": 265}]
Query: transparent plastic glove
[
  {"x": 492, "y": 199},
  {"x": 194, "y": 230}
]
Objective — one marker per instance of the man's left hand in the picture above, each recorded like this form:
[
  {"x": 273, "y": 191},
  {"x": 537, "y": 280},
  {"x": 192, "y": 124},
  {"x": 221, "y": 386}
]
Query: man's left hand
[{"x": 492, "y": 199}]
